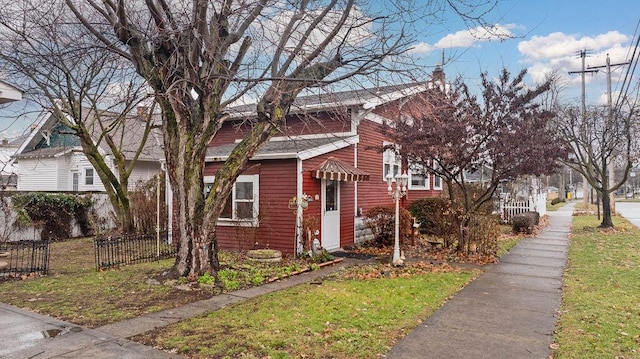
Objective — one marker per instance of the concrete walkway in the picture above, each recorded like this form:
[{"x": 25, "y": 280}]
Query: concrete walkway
[{"x": 508, "y": 312}]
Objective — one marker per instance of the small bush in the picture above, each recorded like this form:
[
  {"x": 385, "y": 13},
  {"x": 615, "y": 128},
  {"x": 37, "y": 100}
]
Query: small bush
[
  {"x": 144, "y": 204},
  {"x": 523, "y": 223},
  {"x": 556, "y": 201},
  {"x": 257, "y": 279},
  {"x": 433, "y": 214},
  {"x": 381, "y": 221},
  {"x": 324, "y": 256},
  {"x": 535, "y": 216},
  {"x": 482, "y": 234}
]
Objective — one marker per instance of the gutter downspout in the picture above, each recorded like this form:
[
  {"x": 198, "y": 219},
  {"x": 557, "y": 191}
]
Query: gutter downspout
[{"x": 298, "y": 247}]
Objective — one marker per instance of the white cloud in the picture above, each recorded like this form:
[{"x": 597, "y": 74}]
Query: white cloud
[
  {"x": 422, "y": 48},
  {"x": 467, "y": 38},
  {"x": 558, "y": 44},
  {"x": 560, "y": 53}
]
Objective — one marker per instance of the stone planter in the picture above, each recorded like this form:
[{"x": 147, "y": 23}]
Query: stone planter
[
  {"x": 264, "y": 255},
  {"x": 4, "y": 263}
]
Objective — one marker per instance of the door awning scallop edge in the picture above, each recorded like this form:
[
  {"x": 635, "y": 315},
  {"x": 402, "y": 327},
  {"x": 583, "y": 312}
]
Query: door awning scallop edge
[{"x": 337, "y": 170}]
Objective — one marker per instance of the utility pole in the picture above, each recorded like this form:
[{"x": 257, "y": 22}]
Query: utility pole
[
  {"x": 608, "y": 65},
  {"x": 583, "y": 56}
]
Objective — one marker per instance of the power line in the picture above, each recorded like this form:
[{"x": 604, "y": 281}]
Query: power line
[
  {"x": 608, "y": 67},
  {"x": 626, "y": 83}
]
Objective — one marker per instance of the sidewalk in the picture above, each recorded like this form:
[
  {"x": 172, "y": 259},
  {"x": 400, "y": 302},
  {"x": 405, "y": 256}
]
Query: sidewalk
[
  {"x": 30, "y": 335},
  {"x": 508, "y": 312}
]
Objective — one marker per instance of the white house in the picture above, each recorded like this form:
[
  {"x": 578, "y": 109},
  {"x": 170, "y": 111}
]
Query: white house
[{"x": 51, "y": 158}]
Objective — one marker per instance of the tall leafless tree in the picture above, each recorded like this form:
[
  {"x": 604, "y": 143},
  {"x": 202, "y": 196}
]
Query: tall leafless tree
[
  {"x": 600, "y": 139},
  {"x": 90, "y": 89}
]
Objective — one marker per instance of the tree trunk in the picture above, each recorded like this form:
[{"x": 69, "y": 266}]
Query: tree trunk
[
  {"x": 194, "y": 249},
  {"x": 607, "y": 221}
]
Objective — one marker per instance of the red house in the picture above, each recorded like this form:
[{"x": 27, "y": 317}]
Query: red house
[{"x": 317, "y": 178}]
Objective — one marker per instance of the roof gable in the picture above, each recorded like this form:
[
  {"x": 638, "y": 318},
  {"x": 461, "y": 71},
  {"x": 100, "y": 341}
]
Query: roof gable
[
  {"x": 51, "y": 134},
  {"x": 9, "y": 93}
]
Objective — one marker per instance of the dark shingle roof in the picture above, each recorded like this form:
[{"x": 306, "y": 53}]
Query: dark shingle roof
[
  {"x": 335, "y": 99},
  {"x": 290, "y": 148}
]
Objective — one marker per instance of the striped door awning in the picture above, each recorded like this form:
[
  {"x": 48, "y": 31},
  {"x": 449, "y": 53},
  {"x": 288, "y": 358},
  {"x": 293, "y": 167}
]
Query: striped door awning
[{"x": 334, "y": 169}]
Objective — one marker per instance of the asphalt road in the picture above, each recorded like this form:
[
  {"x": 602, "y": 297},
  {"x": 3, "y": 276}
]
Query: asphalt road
[{"x": 630, "y": 211}]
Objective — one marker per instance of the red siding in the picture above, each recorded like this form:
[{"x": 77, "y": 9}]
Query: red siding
[
  {"x": 374, "y": 192},
  {"x": 276, "y": 229},
  {"x": 295, "y": 125}
]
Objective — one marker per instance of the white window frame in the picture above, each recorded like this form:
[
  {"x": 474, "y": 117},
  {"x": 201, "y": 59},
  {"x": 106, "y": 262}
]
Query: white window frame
[
  {"x": 234, "y": 221},
  {"x": 438, "y": 178},
  {"x": 87, "y": 177},
  {"x": 392, "y": 159},
  {"x": 414, "y": 171}
]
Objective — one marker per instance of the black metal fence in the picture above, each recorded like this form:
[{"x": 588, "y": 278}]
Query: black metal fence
[
  {"x": 25, "y": 257},
  {"x": 122, "y": 250}
]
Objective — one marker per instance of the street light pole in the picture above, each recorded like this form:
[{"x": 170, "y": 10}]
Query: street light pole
[{"x": 396, "y": 193}]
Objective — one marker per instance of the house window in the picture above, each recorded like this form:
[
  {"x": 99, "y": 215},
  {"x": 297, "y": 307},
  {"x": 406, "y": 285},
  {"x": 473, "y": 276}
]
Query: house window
[
  {"x": 390, "y": 162},
  {"x": 242, "y": 204},
  {"x": 437, "y": 182},
  {"x": 418, "y": 177},
  {"x": 88, "y": 176}
]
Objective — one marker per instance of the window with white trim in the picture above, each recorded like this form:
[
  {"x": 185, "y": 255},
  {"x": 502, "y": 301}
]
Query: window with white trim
[
  {"x": 418, "y": 177},
  {"x": 437, "y": 180},
  {"x": 390, "y": 162},
  {"x": 242, "y": 204},
  {"x": 88, "y": 176}
]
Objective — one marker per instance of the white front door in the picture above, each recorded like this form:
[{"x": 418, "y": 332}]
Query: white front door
[{"x": 330, "y": 214}]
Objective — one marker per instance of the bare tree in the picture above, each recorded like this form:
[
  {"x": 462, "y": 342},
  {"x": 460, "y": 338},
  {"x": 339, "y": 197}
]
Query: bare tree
[
  {"x": 88, "y": 88},
  {"x": 200, "y": 56},
  {"x": 600, "y": 139}
]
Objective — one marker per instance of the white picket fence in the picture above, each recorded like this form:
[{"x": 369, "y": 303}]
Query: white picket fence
[{"x": 507, "y": 208}]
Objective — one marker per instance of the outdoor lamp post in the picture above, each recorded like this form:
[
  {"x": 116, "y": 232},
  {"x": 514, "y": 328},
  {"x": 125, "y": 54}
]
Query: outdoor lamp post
[{"x": 396, "y": 193}]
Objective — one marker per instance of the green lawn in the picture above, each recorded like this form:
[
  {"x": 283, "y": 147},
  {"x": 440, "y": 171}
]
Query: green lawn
[
  {"x": 339, "y": 318},
  {"x": 600, "y": 315}
]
